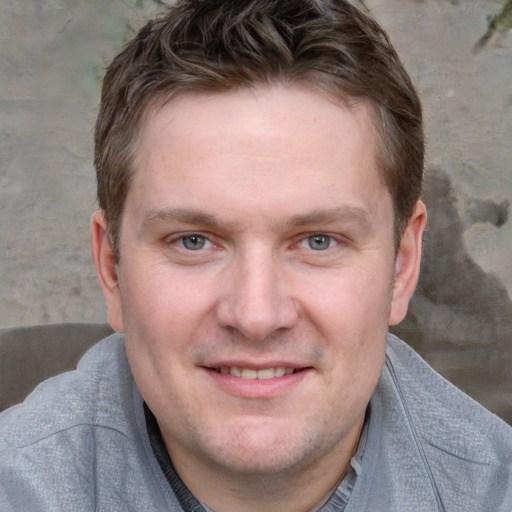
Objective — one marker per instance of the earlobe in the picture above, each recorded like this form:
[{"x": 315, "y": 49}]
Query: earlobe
[
  {"x": 106, "y": 270},
  {"x": 407, "y": 265}
]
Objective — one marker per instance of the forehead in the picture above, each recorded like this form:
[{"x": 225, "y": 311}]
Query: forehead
[
  {"x": 262, "y": 144},
  {"x": 253, "y": 107}
]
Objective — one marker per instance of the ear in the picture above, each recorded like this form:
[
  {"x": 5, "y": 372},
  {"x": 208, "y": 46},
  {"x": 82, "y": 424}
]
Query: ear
[
  {"x": 407, "y": 266},
  {"x": 105, "y": 263}
]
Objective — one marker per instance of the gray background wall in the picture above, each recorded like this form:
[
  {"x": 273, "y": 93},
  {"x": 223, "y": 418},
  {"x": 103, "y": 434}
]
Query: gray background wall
[{"x": 52, "y": 56}]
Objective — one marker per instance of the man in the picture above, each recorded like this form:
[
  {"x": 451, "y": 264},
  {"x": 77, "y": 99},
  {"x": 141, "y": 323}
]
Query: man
[{"x": 259, "y": 173}]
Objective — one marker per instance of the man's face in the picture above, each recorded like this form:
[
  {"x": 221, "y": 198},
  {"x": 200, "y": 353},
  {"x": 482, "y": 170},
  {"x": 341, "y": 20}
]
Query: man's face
[{"x": 255, "y": 282}]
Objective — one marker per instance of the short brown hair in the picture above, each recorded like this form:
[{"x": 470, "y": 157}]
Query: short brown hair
[{"x": 217, "y": 45}]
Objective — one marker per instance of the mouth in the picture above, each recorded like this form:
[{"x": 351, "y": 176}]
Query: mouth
[
  {"x": 256, "y": 374},
  {"x": 258, "y": 381}
]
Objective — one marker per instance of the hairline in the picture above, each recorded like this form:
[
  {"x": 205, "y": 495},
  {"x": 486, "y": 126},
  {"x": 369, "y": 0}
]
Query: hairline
[{"x": 335, "y": 96}]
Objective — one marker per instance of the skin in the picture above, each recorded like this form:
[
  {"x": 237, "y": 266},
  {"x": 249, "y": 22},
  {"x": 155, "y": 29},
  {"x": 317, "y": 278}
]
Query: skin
[{"x": 257, "y": 232}]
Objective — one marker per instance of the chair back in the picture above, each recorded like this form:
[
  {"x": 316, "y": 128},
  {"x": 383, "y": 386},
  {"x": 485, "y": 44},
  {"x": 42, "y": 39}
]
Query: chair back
[{"x": 29, "y": 355}]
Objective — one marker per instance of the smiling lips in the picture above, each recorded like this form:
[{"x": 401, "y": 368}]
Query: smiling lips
[{"x": 252, "y": 374}]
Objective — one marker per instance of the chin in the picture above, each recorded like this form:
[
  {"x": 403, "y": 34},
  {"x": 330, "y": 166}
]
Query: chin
[{"x": 253, "y": 448}]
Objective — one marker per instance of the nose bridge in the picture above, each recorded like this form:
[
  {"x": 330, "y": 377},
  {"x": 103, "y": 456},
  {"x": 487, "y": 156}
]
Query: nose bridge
[{"x": 258, "y": 301}]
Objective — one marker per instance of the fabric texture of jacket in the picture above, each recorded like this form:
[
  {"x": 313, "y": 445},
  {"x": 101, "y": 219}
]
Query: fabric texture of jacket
[{"x": 79, "y": 442}]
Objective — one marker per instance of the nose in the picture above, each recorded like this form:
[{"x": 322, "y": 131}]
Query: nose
[{"x": 255, "y": 298}]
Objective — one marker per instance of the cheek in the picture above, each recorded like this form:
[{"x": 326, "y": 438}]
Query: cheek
[
  {"x": 353, "y": 321},
  {"x": 162, "y": 300},
  {"x": 355, "y": 300},
  {"x": 164, "y": 316},
  {"x": 159, "y": 326}
]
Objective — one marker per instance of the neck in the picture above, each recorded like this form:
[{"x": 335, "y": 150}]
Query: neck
[{"x": 293, "y": 490}]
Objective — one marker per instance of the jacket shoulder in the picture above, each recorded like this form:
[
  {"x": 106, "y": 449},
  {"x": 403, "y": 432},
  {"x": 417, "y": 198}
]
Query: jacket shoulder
[
  {"x": 467, "y": 448},
  {"x": 88, "y": 395},
  {"x": 445, "y": 415}
]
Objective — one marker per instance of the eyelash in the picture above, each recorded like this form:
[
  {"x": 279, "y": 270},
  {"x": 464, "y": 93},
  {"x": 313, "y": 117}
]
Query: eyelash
[
  {"x": 332, "y": 241},
  {"x": 179, "y": 239}
]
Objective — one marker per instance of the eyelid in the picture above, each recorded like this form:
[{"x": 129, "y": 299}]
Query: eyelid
[
  {"x": 180, "y": 236},
  {"x": 335, "y": 238}
]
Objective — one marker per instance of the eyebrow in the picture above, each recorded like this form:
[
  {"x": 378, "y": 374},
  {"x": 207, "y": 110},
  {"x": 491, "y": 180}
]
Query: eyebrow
[
  {"x": 330, "y": 216},
  {"x": 182, "y": 215},
  {"x": 199, "y": 217}
]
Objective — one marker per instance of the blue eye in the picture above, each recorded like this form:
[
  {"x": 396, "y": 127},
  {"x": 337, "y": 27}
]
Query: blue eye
[
  {"x": 320, "y": 242},
  {"x": 195, "y": 242}
]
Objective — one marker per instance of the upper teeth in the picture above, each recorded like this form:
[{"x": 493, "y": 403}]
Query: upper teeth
[{"x": 250, "y": 373}]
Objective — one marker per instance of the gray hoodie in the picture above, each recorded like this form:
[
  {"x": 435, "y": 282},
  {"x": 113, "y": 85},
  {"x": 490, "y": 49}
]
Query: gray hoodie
[{"x": 79, "y": 442}]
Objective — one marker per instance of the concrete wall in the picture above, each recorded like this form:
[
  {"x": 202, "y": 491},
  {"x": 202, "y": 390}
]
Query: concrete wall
[{"x": 52, "y": 56}]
